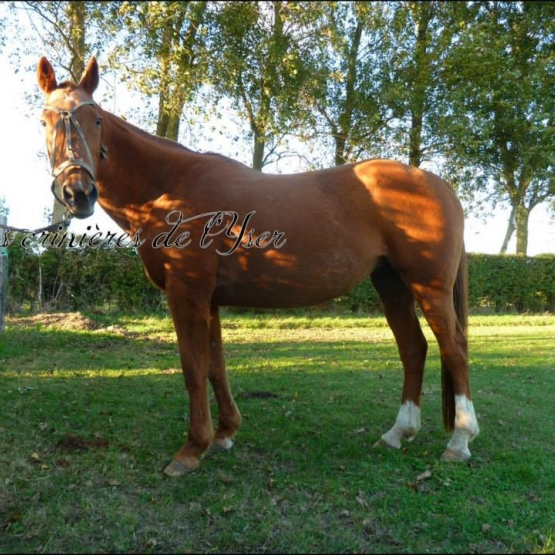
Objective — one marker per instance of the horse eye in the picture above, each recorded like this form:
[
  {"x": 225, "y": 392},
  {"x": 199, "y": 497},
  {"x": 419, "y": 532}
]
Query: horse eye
[
  {"x": 43, "y": 123},
  {"x": 98, "y": 121}
]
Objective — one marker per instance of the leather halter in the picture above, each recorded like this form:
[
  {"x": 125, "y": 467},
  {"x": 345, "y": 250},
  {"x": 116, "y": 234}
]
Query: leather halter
[{"x": 67, "y": 119}]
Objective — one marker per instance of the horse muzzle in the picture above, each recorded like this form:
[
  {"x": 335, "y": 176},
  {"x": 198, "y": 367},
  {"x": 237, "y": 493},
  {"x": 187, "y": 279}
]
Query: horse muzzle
[{"x": 79, "y": 194}]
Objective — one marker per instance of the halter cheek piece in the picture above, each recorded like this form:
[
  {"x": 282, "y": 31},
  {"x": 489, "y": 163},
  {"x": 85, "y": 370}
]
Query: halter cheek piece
[{"x": 66, "y": 119}]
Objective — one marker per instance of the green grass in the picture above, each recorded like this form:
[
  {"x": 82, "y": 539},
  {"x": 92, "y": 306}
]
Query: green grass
[{"x": 89, "y": 418}]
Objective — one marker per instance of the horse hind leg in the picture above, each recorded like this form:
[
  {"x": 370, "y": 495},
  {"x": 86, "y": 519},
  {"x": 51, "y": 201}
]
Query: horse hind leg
[
  {"x": 459, "y": 416},
  {"x": 399, "y": 307}
]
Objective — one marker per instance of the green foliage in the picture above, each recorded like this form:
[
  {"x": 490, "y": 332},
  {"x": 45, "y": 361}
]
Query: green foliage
[
  {"x": 68, "y": 32},
  {"x": 163, "y": 54},
  {"x": 498, "y": 132},
  {"x": 416, "y": 45},
  {"x": 347, "y": 83},
  {"x": 4, "y": 210}
]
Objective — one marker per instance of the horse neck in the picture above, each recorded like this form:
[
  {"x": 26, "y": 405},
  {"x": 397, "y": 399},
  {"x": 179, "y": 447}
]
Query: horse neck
[{"x": 137, "y": 168}]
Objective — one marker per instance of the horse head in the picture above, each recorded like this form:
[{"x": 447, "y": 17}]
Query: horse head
[{"x": 73, "y": 125}]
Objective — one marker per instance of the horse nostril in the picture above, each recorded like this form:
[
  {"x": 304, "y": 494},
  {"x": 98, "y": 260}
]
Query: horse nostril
[
  {"x": 68, "y": 195},
  {"x": 93, "y": 195}
]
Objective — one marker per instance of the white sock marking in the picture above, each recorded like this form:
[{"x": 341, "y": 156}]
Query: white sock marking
[
  {"x": 407, "y": 425},
  {"x": 224, "y": 443},
  {"x": 466, "y": 425}
]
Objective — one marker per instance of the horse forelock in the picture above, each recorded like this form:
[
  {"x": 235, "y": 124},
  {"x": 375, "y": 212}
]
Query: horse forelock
[
  {"x": 67, "y": 94},
  {"x": 67, "y": 85}
]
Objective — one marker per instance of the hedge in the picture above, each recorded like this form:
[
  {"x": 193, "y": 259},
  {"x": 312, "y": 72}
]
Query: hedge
[
  {"x": 512, "y": 283},
  {"x": 497, "y": 283},
  {"x": 113, "y": 279}
]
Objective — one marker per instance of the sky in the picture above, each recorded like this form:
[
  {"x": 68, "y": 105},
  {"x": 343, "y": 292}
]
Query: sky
[{"x": 25, "y": 174}]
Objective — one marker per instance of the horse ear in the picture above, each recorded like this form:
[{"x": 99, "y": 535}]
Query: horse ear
[
  {"x": 45, "y": 76},
  {"x": 90, "y": 78}
]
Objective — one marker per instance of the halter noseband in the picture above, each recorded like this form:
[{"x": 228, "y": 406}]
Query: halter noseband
[{"x": 67, "y": 119}]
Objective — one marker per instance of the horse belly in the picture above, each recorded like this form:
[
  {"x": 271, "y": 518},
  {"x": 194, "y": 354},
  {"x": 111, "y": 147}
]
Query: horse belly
[
  {"x": 289, "y": 283},
  {"x": 271, "y": 296}
]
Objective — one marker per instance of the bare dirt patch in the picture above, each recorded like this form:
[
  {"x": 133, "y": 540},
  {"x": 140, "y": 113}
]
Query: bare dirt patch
[
  {"x": 72, "y": 443},
  {"x": 58, "y": 320},
  {"x": 245, "y": 394}
]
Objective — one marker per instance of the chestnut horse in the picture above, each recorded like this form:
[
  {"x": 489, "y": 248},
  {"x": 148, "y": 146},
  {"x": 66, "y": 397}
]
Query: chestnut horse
[{"x": 212, "y": 232}]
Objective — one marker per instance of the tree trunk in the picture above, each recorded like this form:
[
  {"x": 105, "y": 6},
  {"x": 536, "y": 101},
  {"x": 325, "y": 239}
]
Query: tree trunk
[
  {"x": 3, "y": 278},
  {"x": 259, "y": 121},
  {"x": 522, "y": 216},
  {"x": 164, "y": 96},
  {"x": 173, "y": 93},
  {"x": 510, "y": 230},
  {"x": 163, "y": 116},
  {"x": 76, "y": 13},
  {"x": 346, "y": 116},
  {"x": 422, "y": 13},
  {"x": 258, "y": 151},
  {"x": 340, "y": 143},
  {"x": 415, "y": 139}
]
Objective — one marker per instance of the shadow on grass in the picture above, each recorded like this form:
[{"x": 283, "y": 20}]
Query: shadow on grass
[{"x": 47, "y": 350}]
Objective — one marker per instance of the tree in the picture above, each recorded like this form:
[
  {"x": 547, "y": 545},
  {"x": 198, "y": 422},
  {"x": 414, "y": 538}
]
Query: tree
[
  {"x": 259, "y": 54},
  {"x": 347, "y": 82},
  {"x": 2, "y": 32},
  {"x": 417, "y": 38},
  {"x": 163, "y": 54},
  {"x": 4, "y": 210},
  {"x": 382, "y": 78},
  {"x": 501, "y": 91},
  {"x": 69, "y": 32}
]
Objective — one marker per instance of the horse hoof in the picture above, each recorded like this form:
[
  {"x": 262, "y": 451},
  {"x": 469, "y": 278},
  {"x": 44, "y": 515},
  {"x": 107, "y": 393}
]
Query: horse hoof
[
  {"x": 450, "y": 455},
  {"x": 383, "y": 443},
  {"x": 175, "y": 468},
  {"x": 221, "y": 444}
]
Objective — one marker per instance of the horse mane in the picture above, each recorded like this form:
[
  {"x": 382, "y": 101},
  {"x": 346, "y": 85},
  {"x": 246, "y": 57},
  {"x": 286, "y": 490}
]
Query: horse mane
[
  {"x": 165, "y": 142},
  {"x": 161, "y": 141},
  {"x": 226, "y": 159}
]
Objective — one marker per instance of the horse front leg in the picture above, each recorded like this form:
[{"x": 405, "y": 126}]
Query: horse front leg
[
  {"x": 229, "y": 419},
  {"x": 191, "y": 319}
]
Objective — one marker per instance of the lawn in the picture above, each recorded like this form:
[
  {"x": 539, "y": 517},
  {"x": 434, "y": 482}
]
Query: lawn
[{"x": 92, "y": 409}]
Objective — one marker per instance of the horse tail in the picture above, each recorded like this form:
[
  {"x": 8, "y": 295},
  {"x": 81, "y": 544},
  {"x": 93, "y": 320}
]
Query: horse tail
[{"x": 460, "y": 300}]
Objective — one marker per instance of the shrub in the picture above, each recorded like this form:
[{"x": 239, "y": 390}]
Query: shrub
[{"x": 512, "y": 283}]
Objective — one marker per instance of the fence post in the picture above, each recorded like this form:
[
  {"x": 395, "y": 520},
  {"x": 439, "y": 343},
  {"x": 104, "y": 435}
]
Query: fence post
[{"x": 3, "y": 276}]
